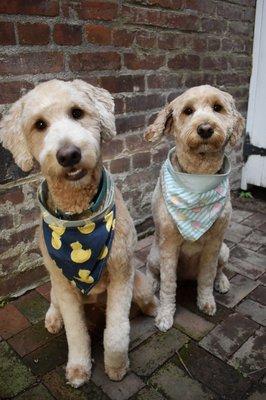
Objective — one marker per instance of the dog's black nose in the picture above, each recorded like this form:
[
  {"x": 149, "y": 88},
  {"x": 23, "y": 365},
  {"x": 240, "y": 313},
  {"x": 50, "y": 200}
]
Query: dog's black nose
[
  {"x": 68, "y": 155},
  {"x": 205, "y": 131}
]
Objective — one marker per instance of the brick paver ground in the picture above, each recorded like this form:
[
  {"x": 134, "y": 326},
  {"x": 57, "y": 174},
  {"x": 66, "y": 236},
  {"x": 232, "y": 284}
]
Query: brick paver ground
[{"x": 201, "y": 357}]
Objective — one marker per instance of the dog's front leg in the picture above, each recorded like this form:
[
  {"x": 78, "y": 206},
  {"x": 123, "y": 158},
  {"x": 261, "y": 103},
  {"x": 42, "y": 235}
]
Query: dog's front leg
[
  {"x": 78, "y": 368},
  {"x": 116, "y": 334},
  {"x": 169, "y": 252},
  {"x": 207, "y": 273}
]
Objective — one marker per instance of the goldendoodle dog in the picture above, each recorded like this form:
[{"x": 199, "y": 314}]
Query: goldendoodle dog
[
  {"x": 191, "y": 202},
  {"x": 87, "y": 236}
]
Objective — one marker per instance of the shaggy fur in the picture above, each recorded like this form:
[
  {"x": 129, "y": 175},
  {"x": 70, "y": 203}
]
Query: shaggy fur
[
  {"x": 52, "y": 103},
  {"x": 170, "y": 254}
]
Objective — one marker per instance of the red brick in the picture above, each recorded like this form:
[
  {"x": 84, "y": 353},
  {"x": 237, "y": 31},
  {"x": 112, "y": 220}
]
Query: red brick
[
  {"x": 45, "y": 290},
  {"x": 124, "y": 124},
  {"x": 136, "y": 142},
  {"x": 48, "y": 8},
  {"x": 29, "y": 216},
  {"x": 98, "y": 34},
  {"x": 215, "y": 62},
  {"x": 119, "y": 105},
  {"x": 11, "y": 91},
  {"x": 101, "y": 10},
  {"x": 184, "y": 61},
  {"x": 141, "y": 160},
  {"x": 11, "y": 321},
  {"x": 213, "y": 26},
  {"x": 33, "y": 33},
  {"x": 144, "y": 102},
  {"x": 6, "y": 221},
  {"x": 110, "y": 150},
  {"x": 83, "y": 62},
  {"x": 123, "y": 83},
  {"x": 143, "y": 16},
  {"x": 149, "y": 61},
  {"x": 168, "y": 41},
  {"x": 202, "y": 6},
  {"x": 7, "y": 33},
  {"x": 31, "y": 63},
  {"x": 229, "y": 11},
  {"x": 164, "y": 81},
  {"x": 67, "y": 34},
  {"x": 123, "y": 37},
  {"x": 13, "y": 195},
  {"x": 120, "y": 165},
  {"x": 146, "y": 39},
  {"x": 25, "y": 235}
]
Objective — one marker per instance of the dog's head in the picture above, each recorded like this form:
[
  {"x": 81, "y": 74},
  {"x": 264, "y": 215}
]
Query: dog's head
[
  {"x": 203, "y": 120},
  {"x": 61, "y": 125}
]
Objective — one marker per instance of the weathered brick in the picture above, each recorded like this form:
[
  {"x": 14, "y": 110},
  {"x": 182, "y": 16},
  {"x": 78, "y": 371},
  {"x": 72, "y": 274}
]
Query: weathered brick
[
  {"x": 45, "y": 290},
  {"x": 123, "y": 83},
  {"x": 141, "y": 160},
  {"x": 228, "y": 336},
  {"x": 149, "y": 61},
  {"x": 245, "y": 268},
  {"x": 14, "y": 375},
  {"x": 35, "y": 393},
  {"x": 83, "y": 62},
  {"x": 123, "y": 37},
  {"x": 184, "y": 61},
  {"x": 146, "y": 39},
  {"x": 259, "y": 294},
  {"x": 31, "y": 34},
  {"x": 249, "y": 256},
  {"x": 120, "y": 165},
  {"x": 153, "y": 353},
  {"x": 31, "y": 63},
  {"x": 7, "y": 33},
  {"x": 191, "y": 324},
  {"x": 100, "y": 10},
  {"x": 249, "y": 358},
  {"x": 98, "y": 34},
  {"x": 11, "y": 321},
  {"x": 253, "y": 310},
  {"x": 66, "y": 34},
  {"x": 33, "y": 306},
  {"x": 48, "y": 8},
  {"x": 213, "y": 373},
  {"x": 240, "y": 287},
  {"x": 127, "y": 123},
  {"x": 11, "y": 91},
  {"x": 112, "y": 149},
  {"x": 174, "y": 383}
]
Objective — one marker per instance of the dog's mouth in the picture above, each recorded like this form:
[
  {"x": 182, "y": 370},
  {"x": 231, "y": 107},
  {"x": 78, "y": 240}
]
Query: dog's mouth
[{"x": 75, "y": 174}]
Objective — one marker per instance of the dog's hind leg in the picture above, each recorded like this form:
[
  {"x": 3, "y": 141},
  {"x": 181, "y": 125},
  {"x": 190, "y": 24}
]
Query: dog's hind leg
[
  {"x": 143, "y": 295},
  {"x": 53, "y": 318},
  {"x": 221, "y": 283},
  {"x": 153, "y": 267}
]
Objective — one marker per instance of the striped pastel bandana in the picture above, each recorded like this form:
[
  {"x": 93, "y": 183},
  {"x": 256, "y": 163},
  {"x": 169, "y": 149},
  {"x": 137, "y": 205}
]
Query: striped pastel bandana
[{"x": 194, "y": 201}]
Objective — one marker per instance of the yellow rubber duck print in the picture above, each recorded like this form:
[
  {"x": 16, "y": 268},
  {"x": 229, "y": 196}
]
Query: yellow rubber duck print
[
  {"x": 113, "y": 226},
  {"x": 84, "y": 276},
  {"x": 60, "y": 230},
  {"x": 78, "y": 255},
  {"x": 56, "y": 241},
  {"x": 109, "y": 220},
  {"x": 87, "y": 229},
  {"x": 103, "y": 253}
]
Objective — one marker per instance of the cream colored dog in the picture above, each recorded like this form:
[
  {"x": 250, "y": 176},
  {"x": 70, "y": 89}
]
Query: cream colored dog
[
  {"x": 203, "y": 120},
  {"x": 62, "y": 125}
]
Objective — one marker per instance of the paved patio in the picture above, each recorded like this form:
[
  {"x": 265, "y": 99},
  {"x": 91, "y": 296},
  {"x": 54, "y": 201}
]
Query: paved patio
[{"x": 201, "y": 357}]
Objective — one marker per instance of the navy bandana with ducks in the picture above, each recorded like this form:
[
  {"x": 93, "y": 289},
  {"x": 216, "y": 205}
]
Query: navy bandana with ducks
[{"x": 80, "y": 248}]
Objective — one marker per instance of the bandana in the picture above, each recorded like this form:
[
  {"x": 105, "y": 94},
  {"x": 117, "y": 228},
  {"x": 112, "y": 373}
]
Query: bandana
[
  {"x": 80, "y": 248},
  {"x": 194, "y": 201}
]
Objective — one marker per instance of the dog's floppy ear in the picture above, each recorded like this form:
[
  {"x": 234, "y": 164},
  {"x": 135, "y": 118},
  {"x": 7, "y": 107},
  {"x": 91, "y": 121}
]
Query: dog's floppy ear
[
  {"x": 161, "y": 125},
  {"x": 238, "y": 122},
  {"x": 104, "y": 104},
  {"x": 12, "y": 137}
]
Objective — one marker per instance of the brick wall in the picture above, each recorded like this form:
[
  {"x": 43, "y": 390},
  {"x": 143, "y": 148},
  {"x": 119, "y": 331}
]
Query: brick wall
[{"x": 145, "y": 52}]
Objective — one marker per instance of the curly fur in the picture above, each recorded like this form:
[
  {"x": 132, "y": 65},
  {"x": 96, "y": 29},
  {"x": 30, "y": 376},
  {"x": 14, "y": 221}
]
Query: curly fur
[
  {"x": 52, "y": 102},
  {"x": 170, "y": 254}
]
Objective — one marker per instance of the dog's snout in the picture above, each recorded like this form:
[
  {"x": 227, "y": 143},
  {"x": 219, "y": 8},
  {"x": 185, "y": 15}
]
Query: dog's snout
[
  {"x": 68, "y": 155},
  {"x": 205, "y": 131}
]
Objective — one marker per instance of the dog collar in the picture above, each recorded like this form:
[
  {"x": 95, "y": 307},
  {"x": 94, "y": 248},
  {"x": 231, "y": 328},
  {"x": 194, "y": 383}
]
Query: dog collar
[{"x": 194, "y": 201}]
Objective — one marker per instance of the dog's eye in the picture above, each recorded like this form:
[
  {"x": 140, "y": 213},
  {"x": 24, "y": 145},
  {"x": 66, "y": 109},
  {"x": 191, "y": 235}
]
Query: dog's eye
[
  {"x": 188, "y": 111},
  {"x": 40, "y": 125},
  {"x": 217, "y": 107},
  {"x": 77, "y": 113}
]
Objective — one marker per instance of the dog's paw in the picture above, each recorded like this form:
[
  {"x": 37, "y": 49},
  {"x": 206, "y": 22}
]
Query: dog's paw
[
  {"x": 222, "y": 284},
  {"x": 116, "y": 374},
  {"x": 164, "y": 321},
  {"x": 77, "y": 374},
  {"x": 207, "y": 305},
  {"x": 53, "y": 321}
]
